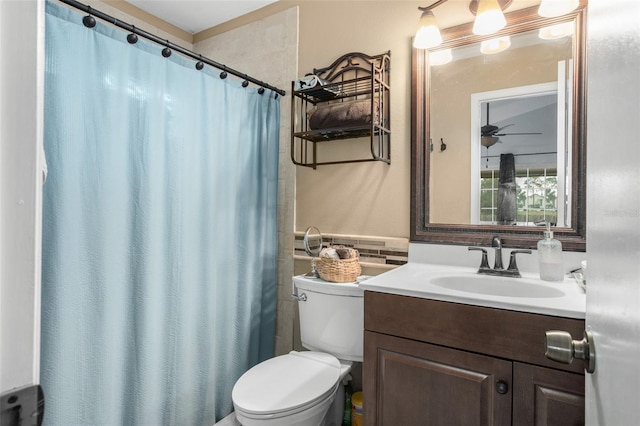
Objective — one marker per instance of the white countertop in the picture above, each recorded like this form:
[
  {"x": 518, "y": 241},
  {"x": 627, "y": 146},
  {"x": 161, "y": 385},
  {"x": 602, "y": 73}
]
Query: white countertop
[{"x": 414, "y": 279}]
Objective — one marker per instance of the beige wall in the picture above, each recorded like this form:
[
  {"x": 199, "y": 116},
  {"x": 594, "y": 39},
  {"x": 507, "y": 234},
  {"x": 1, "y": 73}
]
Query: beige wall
[
  {"x": 365, "y": 198},
  {"x": 450, "y": 183}
]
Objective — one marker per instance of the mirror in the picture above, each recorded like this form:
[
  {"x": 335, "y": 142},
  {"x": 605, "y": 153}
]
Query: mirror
[
  {"x": 312, "y": 242},
  {"x": 498, "y": 139}
]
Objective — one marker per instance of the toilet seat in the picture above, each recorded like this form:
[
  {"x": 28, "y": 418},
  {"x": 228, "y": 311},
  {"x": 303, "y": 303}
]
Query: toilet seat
[{"x": 302, "y": 380}]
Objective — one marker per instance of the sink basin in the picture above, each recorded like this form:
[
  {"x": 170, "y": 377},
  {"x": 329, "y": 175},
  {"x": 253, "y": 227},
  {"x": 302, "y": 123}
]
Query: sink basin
[{"x": 496, "y": 286}]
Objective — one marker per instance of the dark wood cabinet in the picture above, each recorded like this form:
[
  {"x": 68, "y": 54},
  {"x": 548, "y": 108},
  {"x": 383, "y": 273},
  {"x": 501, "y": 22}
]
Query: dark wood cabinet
[
  {"x": 423, "y": 384},
  {"x": 546, "y": 397},
  {"x": 439, "y": 363}
]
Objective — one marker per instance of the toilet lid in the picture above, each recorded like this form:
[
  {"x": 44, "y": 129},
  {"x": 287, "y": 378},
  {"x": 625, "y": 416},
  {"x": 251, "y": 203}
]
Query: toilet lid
[{"x": 286, "y": 382}]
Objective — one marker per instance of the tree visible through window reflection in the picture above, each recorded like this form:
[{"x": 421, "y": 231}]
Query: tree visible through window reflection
[{"x": 536, "y": 194}]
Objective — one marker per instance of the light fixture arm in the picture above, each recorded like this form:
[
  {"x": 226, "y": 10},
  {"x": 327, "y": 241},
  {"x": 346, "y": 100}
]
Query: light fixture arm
[
  {"x": 433, "y": 6},
  {"x": 473, "y": 5}
]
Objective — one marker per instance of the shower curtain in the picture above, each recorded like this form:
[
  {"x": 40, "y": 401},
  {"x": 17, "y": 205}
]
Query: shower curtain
[{"x": 159, "y": 233}]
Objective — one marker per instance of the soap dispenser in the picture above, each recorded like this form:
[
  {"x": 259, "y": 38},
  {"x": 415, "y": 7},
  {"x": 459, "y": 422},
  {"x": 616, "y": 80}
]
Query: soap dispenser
[{"x": 550, "y": 257}]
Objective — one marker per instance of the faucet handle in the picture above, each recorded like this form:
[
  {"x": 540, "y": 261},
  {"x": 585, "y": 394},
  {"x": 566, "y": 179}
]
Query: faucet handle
[
  {"x": 484, "y": 263},
  {"x": 512, "y": 260}
]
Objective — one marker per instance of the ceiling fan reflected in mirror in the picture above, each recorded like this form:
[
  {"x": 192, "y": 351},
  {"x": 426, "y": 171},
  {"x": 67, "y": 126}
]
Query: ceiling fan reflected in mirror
[{"x": 490, "y": 134}]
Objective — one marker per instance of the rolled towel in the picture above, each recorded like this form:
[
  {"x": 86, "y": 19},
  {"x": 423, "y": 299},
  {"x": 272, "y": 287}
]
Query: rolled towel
[
  {"x": 329, "y": 253},
  {"x": 344, "y": 252},
  {"x": 339, "y": 114}
]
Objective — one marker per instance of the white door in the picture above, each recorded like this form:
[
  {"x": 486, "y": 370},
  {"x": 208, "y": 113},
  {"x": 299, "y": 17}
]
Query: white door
[
  {"x": 21, "y": 109},
  {"x": 613, "y": 211}
]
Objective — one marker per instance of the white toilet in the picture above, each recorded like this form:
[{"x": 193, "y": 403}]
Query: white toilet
[{"x": 305, "y": 388}]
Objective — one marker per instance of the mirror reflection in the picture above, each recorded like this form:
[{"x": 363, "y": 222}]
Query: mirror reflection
[{"x": 502, "y": 111}]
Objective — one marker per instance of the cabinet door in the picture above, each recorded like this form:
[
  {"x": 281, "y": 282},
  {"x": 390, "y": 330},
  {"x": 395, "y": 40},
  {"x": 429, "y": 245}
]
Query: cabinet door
[
  {"x": 543, "y": 396},
  {"x": 410, "y": 383}
]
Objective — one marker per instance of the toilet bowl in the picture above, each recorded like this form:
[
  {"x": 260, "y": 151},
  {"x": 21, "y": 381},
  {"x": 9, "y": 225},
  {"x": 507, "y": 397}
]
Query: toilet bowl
[
  {"x": 305, "y": 388},
  {"x": 293, "y": 389}
]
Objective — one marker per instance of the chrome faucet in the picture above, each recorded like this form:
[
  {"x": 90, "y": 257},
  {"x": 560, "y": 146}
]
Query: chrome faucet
[
  {"x": 498, "y": 269},
  {"x": 496, "y": 243}
]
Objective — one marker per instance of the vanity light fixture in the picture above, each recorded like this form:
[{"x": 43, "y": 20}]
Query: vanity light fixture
[
  {"x": 489, "y": 18},
  {"x": 553, "y": 8},
  {"x": 440, "y": 57},
  {"x": 556, "y": 31},
  {"x": 495, "y": 45},
  {"x": 428, "y": 34}
]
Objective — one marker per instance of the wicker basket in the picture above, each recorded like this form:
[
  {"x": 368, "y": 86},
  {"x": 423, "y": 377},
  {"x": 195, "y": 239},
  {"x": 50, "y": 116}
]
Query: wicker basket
[{"x": 339, "y": 270}]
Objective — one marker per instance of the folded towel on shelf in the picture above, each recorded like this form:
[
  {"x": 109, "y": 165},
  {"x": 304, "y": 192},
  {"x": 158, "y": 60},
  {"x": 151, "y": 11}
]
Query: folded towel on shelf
[{"x": 354, "y": 113}]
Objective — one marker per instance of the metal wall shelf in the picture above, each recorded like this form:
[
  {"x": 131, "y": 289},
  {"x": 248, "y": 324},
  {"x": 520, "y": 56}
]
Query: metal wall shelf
[{"x": 352, "y": 77}]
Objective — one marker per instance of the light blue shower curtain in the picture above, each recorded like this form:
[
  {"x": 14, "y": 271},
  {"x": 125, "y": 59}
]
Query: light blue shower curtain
[{"x": 159, "y": 234}]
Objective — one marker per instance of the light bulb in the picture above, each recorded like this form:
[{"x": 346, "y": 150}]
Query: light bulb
[
  {"x": 556, "y": 31},
  {"x": 440, "y": 57},
  {"x": 489, "y": 18},
  {"x": 495, "y": 45},
  {"x": 428, "y": 34}
]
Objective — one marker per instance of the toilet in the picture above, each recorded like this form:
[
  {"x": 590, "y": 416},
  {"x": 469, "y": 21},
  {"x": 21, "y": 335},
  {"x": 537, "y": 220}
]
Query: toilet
[{"x": 305, "y": 388}]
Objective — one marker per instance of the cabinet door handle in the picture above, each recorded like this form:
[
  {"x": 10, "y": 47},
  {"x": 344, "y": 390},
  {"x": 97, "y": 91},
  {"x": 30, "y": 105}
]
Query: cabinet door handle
[{"x": 502, "y": 387}]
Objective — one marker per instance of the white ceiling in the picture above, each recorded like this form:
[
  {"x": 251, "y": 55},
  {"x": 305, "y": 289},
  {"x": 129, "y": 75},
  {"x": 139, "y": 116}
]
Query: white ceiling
[{"x": 196, "y": 15}]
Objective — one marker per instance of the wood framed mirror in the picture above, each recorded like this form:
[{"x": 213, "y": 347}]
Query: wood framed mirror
[{"x": 498, "y": 141}]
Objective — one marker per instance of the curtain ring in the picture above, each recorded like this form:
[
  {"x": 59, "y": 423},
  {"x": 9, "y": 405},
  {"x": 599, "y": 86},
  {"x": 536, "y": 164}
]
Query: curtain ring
[
  {"x": 166, "y": 52},
  {"x": 89, "y": 21},
  {"x": 261, "y": 90},
  {"x": 223, "y": 74},
  {"x": 132, "y": 38},
  {"x": 199, "y": 64}
]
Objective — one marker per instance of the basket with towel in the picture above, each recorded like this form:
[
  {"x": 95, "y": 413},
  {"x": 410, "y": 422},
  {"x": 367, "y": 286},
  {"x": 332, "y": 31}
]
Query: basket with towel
[{"x": 338, "y": 264}]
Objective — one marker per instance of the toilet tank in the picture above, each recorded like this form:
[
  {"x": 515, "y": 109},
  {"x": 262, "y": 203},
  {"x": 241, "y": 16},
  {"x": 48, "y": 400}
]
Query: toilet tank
[{"x": 331, "y": 317}]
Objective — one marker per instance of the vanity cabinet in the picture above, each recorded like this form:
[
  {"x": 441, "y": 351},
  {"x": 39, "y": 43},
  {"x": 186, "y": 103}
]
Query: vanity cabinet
[{"x": 428, "y": 362}]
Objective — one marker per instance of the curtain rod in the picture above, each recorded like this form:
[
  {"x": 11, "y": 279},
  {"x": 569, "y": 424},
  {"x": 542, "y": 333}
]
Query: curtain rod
[{"x": 201, "y": 59}]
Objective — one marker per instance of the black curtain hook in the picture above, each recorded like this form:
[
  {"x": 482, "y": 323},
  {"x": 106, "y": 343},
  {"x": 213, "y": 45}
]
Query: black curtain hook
[
  {"x": 261, "y": 90},
  {"x": 166, "y": 52},
  {"x": 275, "y": 96},
  {"x": 245, "y": 83},
  {"x": 199, "y": 64},
  {"x": 89, "y": 21},
  {"x": 223, "y": 74},
  {"x": 132, "y": 38}
]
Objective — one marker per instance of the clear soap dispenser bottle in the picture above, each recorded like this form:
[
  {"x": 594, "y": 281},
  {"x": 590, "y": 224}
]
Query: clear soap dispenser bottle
[{"x": 550, "y": 257}]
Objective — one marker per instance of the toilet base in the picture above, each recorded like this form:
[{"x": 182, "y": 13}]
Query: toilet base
[{"x": 313, "y": 416}]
